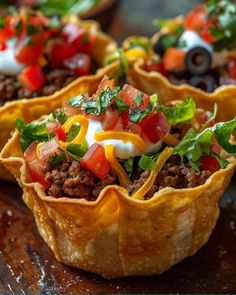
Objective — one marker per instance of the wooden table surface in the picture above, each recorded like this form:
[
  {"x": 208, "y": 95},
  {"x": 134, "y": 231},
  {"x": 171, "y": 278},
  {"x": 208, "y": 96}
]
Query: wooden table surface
[{"x": 28, "y": 266}]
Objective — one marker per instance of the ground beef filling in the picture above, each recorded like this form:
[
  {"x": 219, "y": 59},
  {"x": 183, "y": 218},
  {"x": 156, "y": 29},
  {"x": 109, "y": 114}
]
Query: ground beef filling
[
  {"x": 71, "y": 180},
  {"x": 172, "y": 175},
  {"x": 56, "y": 79}
]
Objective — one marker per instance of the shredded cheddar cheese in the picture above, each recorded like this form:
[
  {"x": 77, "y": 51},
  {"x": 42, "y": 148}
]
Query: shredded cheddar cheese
[
  {"x": 133, "y": 53},
  {"x": 170, "y": 140},
  {"x": 82, "y": 132},
  {"x": 164, "y": 156},
  {"x": 125, "y": 136},
  {"x": 115, "y": 165}
]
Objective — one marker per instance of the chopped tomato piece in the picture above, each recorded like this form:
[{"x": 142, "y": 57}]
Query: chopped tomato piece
[
  {"x": 87, "y": 43},
  {"x": 111, "y": 119},
  {"x": 3, "y": 46},
  {"x": 134, "y": 128},
  {"x": 130, "y": 95},
  {"x": 35, "y": 169},
  {"x": 32, "y": 77},
  {"x": 209, "y": 163},
  {"x": 70, "y": 111},
  {"x": 61, "y": 52},
  {"x": 173, "y": 59},
  {"x": 195, "y": 19},
  {"x": 56, "y": 128},
  {"x": 6, "y": 34},
  {"x": 232, "y": 68},
  {"x": 72, "y": 33},
  {"x": 80, "y": 63},
  {"x": 125, "y": 119},
  {"x": 156, "y": 67},
  {"x": 105, "y": 82},
  {"x": 29, "y": 53},
  {"x": 203, "y": 116},
  {"x": 95, "y": 160},
  {"x": 47, "y": 149},
  {"x": 155, "y": 127},
  {"x": 207, "y": 36}
]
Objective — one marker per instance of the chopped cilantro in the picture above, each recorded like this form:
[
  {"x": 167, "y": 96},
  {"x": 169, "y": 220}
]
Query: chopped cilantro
[
  {"x": 56, "y": 158},
  {"x": 76, "y": 101},
  {"x": 77, "y": 151},
  {"x": 137, "y": 115},
  {"x": 138, "y": 99}
]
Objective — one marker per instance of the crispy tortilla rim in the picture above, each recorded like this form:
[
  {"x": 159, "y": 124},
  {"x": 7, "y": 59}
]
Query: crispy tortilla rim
[
  {"x": 154, "y": 82},
  {"x": 30, "y": 109},
  {"x": 117, "y": 235}
]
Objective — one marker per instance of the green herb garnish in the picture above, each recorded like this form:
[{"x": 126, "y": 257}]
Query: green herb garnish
[{"x": 137, "y": 115}]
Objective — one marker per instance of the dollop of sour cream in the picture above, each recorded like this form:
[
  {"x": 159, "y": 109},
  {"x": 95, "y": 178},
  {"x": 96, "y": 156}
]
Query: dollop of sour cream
[
  {"x": 8, "y": 63},
  {"x": 124, "y": 149},
  {"x": 190, "y": 39}
]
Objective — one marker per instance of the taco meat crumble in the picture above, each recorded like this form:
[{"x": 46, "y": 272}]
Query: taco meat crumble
[{"x": 71, "y": 180}]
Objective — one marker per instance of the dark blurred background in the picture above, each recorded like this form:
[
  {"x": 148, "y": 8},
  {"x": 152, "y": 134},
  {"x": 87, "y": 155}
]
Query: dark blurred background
[
  {"x": 135, "y": 16},
  {"x": 120, "y": 18}
]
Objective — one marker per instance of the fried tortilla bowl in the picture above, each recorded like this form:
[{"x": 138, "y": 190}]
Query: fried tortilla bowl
[
  {"x": 120, "y": 235},
  {"x": 154, "y": 82},
  {"x": 30, "y": 109}
]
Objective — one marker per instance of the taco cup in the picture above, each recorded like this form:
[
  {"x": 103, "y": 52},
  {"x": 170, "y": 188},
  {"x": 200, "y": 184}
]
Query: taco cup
[
  {"x": 120, "y": 184},
  {"x": 189, "y": 56},
  {"x": 41, "y": 55}
]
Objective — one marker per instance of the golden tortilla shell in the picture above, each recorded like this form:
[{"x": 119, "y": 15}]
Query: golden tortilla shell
[
  {"x": 154, "y": 82},
  {"x": 117, "y": 236},
  {"x": 30, "y": 109}
]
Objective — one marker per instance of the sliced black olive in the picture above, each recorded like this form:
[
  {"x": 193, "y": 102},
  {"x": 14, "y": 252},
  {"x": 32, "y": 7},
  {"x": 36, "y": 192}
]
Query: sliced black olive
[
  {"x": 206, "y": 82},
  {"x": 158, "y": 46},
  {"x": 198, "y": 61}
]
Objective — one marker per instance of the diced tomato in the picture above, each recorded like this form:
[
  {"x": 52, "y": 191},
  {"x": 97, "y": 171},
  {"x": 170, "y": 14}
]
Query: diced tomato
[
  {"x": 61, "y": 52},
  {"x": 47, "y": 149},
  {"x": 6, "y": 34},
  {"x": 73, "y": 33},
  {"x": 232, "y": 68},
  {"x": 32, "y": 77},
  {"x": 105, "y": 82},
  {"x": 134, "y": 128},
  {"x": 156, "y": 67},
  {"x": 95, "y": 160},
  {"x": 3, "y": 46},
  {"x": 30, "y": 152},
  {"x": 70, "y": 111},
  {"x": 125, "y": 119},
  {"x": 195, "y": 19},
  {"x": 35, "y": 169},
  {"x": 87, "y": 43},
  {"x": 129, "y": 93},
  {"x": 209, "y": 163},
  {"x": 173, "y": 59},
  {"x": 80, "y": 63},
  {"x": 111, "y": 119},
  {"x": 207, "y": 36},
  {"x": 56, "y": 128},
  {"x": 203, "y": 116},
  {"x": 155, "y": 127},
  {"x": 29, "y": 53}
]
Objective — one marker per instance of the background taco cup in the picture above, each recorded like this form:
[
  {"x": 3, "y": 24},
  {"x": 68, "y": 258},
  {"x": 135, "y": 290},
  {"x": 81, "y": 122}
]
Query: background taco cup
[
  {"x": 117, "y": 235},
  {"x": 154, "y": 82},
  {"x": 31, "y": 109}
]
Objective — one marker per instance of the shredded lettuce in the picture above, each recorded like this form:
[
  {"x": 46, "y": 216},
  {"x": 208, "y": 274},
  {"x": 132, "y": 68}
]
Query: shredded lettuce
[
  {"x": 32, "y": 131},
  {"x": 180, "y": 112}
]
